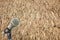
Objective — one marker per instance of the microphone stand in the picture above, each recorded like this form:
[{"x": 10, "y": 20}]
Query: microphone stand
[{"x": 8, "y": 32}]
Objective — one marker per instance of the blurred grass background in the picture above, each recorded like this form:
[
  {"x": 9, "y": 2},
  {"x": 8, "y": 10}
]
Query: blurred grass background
[{"x": 39, "y": 19}]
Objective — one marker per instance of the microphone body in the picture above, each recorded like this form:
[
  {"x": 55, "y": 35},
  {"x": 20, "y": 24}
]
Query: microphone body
[{"x": 14, "y": 22}]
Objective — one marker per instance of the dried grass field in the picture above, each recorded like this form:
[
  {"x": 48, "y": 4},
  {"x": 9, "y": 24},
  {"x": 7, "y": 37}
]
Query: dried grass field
[{"x": 39, "y": 19}]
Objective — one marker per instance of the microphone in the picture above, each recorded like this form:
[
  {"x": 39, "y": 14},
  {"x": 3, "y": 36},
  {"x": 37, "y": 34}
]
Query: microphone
[{"x": 14, "y": 22}]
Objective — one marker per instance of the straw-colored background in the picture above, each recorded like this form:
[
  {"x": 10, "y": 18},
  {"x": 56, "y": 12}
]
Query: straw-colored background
[{"x": 39, "y": 19}]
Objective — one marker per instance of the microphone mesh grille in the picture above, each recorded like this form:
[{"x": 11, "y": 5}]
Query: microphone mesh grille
[{"x": 15, "y": 21}]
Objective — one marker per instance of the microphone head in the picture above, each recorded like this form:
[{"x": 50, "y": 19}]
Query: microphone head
[{"x": 15, "y": 21}]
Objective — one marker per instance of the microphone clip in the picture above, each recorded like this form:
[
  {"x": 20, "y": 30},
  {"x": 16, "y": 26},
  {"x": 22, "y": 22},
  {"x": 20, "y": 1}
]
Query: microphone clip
[{"x": 8, "y": 32}]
